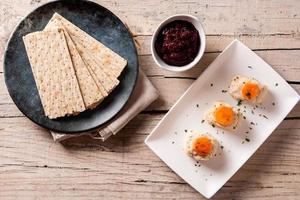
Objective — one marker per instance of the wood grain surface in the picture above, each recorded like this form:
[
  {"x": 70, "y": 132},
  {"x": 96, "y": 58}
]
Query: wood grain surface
[{"x": 32, "y": 166}]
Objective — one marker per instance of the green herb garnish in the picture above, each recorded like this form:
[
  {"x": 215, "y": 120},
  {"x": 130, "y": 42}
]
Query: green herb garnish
[
  {"x": 239, "y": 102},
  {"x": 265, "y": 116}
]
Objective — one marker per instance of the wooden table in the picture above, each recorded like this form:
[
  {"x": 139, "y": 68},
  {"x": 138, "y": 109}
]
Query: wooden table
[{"x": 32, "y": 166}]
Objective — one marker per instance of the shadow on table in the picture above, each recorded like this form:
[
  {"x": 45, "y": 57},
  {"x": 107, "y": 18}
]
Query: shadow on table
[{"x": 131, "y": 133}]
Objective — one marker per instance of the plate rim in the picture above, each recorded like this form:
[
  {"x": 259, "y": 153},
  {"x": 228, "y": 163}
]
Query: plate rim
[
  {"x": 148, "y": 140},
  {"x": 54, "y": 129}
]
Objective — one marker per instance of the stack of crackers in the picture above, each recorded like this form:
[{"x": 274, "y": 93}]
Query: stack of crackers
[{"x": 72, "y": 70}]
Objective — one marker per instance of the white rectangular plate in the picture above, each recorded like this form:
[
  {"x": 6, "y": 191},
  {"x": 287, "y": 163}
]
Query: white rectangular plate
[{"x": 167, "y": 138}]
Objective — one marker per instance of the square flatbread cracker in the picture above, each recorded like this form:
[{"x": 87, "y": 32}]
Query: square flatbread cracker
[
  {"x": 54, "y": 73},
  {"x": 41, "y": 73},
  {"x": 110, "y": 61},
  {"x": 91, "y": 94}
]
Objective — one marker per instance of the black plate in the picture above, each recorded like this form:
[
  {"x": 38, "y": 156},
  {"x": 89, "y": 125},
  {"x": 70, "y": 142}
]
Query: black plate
[{"x": 99, "y": 23}]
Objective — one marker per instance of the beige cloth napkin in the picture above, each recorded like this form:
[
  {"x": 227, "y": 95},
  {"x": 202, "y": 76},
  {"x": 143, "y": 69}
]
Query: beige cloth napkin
[{"x": 144, "y": 93}]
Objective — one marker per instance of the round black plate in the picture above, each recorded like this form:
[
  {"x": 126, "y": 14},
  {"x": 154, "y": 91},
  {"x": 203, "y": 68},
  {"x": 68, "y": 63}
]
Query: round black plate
[{"x": 99, "y": 23}]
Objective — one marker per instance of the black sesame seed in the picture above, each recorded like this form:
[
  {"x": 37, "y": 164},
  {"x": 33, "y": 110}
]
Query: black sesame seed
[
  {"x": 185, "y": 130},
  {"x": 197, "y": 105},
  {"x": 213, "y": 125},
  {"x": 248, "y": 140},
  {"x": 211, "y": 84},
  {"x": 276, "y": 84},
  {"x": 239, "y": 103},
  {"x": 202, "y": 121},
  {"x": 224, "y": 91},
  {"x": 265, "y": 116},
  {"x": 250, "y": 67},
  {"x": 273, "y": 103},
  {"x": 222, "y": 147}
]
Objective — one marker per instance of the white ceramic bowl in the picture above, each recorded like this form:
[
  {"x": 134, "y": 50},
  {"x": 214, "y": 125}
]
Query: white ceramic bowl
[{"x": 196, "y": 22}]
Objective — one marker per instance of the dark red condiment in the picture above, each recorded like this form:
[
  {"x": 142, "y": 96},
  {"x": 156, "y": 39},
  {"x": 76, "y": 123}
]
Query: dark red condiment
[{"x": 178, "y": 43}]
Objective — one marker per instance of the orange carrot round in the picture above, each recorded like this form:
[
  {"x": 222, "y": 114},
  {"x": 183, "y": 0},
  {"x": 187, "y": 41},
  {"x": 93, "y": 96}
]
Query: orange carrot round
[
  {"x": 203, "y": 146},
  {"x": 224, "y": 115},
  {"x": 250, "y": 91}
]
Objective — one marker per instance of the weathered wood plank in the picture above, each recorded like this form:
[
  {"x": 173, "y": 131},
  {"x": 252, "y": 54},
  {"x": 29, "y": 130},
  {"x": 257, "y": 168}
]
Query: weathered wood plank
[
  {"x": 264, "y": 17},
  {"x": 286, "y": 63},
  {"x": 219, "y": 17},
  {"x": 123, "y": 167},
  {"x": 216, "y": 43},
  {"x": 170, "y": 90}
]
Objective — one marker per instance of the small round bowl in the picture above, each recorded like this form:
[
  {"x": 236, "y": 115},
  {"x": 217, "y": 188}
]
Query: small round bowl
[{"x": 197, "y": 24}]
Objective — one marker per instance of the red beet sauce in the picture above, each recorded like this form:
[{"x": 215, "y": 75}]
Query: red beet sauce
[{"x": 178, "y": 43}]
